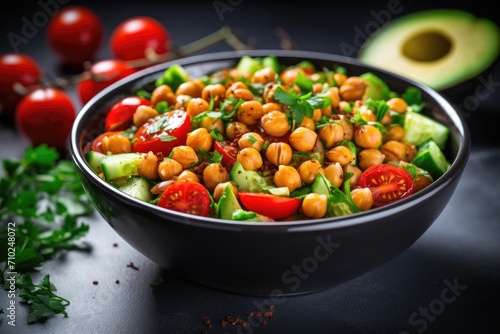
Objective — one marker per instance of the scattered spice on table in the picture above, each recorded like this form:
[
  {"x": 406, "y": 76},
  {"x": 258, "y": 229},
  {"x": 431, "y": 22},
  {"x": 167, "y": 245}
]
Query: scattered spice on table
[
  {"x": 261, "y": 317},
  {"x": 132, "y": 265},
  {"x": 206, "y": 321},
  {"x": 117, "y": 281},
  {"x": 95, "y": 282},
  {"x": 115, "y": 244}
]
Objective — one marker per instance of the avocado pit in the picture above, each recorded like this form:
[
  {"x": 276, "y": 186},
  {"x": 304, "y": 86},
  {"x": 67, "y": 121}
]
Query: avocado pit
[{"x": 427, "y": 46}]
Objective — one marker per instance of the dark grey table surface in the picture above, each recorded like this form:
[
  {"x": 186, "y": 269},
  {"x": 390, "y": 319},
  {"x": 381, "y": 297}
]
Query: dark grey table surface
[{"x": 460, "y": 252}]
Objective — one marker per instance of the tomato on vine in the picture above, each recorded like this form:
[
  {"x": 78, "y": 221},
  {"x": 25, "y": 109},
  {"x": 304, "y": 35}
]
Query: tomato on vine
[
  {"x": 75, "y": 33},
  {"x": 16, "y": 68},
  {"x": 133, "y": 37},
  {"x": 45, "y": 116}
]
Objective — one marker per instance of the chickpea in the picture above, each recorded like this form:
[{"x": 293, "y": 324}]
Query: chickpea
[
  {"x": 317, "y": 87},
  {"x": 308, "y": 123},
  {"x": 148, "y": 166},
  {"x": 356, "y": 173},
  {"x": 168, "y": 168},
  {"x": 200, "y": 138},
  {"x": 347, "y": 126},
  {"x": 143, "y": 114},
  {"x": 394, "y": 151},
  {"x": 271, "y": 106},
  {"x": 196, "y": 106},
  {"x": 366, "y": 113},
  {"x": 235, "y": 85},
  {"x": 182, "y": 101},
  {"x": 215, "y": 91},
  {"x": 269, "y": 89},
  {"x": 339, "y": 78},
  {"x": 116, "y": 144},
  {"x": 363, "y": 198},
  {"x": 331, "y": 134},
  {"x": 367, "y": 136},
  {"x": 394, "y": 132},
  {"x": 303, "y": 139},
  {"x": 341, "y": 154},
  {"x": 275, "y": 123},
  {"x": 264, "y": 76},
  {"x": 188, "y": 175},
  {"x": 214, "y": 174},
  {"x": 387, "y": 119},
  {"x": 317, "y": 115},
  {"x": 369, "y": 157},
  {"x": 314, "y": 205},
  {"x": 289, "y": 75},
  {"x": 235, "y": 129},
  {"x": 219, "y": 189},
  {"x": 185, "y": 155},
  {"x": 163, "y": 93},
  {"x": 249, "y": 112},
  {"x": 287, "y": 176},
  {"x": 344, "y": 107},
  {"x": 251, "y": 139},
  {"x": 411, "y": 151},
  {"x": 334, "y": 95},
  {"x": 335, "y": 174},
  {"x": 309, "y": 169},
  {"x": 243, "y": 93},
  {"x": 279, "y": 153},
  {"x": 249, "y": 158},
  {"x": 398, "y": 105},
  {"x": 189, "y": 88},
  {"x": 352, "y": 89},
  {"x": 211, "y": 123}
]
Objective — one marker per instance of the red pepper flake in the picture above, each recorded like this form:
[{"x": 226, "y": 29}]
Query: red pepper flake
[
  {"x": 95, "y": 282},
  {"x": 245, "y": 324},
  {"x": 268, "y": 314},
  {"x": 132, "y": 265},
  {"x": 115, "y": 244},
  {"x": 263, "y": 323},
  {"x": 206, "y": 321},
  {"x": 223, "y": 323},
  {"x": 259, "y": 314},
  {"x": 117, "y": 281},
  {"x": 250, "y": 314}
]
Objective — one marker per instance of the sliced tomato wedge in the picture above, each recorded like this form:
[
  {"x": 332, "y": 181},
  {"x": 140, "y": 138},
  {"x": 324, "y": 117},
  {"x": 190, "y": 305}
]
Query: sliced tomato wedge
[
  {"x": 163, "y": 133},
  {"x": 228, "y": 153},
  {"x": 387, "y": 183},
  {"x": 276, "y": 207},
  {"x": 121, "y": 114},
  {"x": 187, "y": 197}
]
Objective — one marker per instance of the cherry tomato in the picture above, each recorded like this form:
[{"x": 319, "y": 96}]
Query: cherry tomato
[
  {"x": 163, "y": 133},
  {"x": 104, "y": 72},
  {"x": 187, "y": 197},
  {"x": 131, "y": 38},
  {"x": 276, "y": 207},
  {"x": 16, "y": 67},
  {"x": 388, "y": 183},
  {"x": 228, "y": 152},
  {"x": 97, "y": 143},
  {"x": 121, "y": 114},
  {"x": 75, "y": 33},
  {"x": 46, "y": 115}
]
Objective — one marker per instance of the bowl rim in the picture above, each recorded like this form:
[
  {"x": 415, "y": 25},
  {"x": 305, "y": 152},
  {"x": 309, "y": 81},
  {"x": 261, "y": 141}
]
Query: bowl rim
[{"x": 321, "y": 224}]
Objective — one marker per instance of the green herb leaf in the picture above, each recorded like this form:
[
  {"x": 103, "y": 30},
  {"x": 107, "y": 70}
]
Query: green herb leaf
[{"x": 166, "y": 138}]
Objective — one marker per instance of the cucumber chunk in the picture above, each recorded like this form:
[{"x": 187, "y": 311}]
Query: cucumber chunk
[
  {"x": 377, "y": 89},
  {"x": 249, "y": 65},
  {"x": 173, "y": 76},
  {"x": 419, "y": 128},
  {"x": 120, "y": 165},
  {"x": 228, "y": 204},
  {"x": 94, "y": 160},
  {"x": 431, "y": 158},
  {"x": 248, "y": 180},
  {"x": 138, "y": 187}
]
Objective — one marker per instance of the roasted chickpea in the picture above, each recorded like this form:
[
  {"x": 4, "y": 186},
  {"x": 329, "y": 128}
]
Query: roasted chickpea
[
  {"x": 275, "y": 123},
  {"x": 335, "y": 174},
  {"x": 334, "y": 95},
  {"x": 211, "y": 123},
  {"x": 309, "y": 169},
  {"x": 264, "y": 76},
  {"x": 314, "y": 205},
  {"x": 279, "y": 153},
  {"x": 148, "y": 166},
  {"x": 339, "y": 78},
  {"x": 366, "y": 113},
  {"x": 215, "y": 91},
  {"x": 303, "y": 139},
  {"x": 369, "y": 157},
  {"x": 308, "y": 123},
  {"x": 387, "y": 119},
  {"x": 182, "y": 101},
  {"x": 347, "y": 126},
  {"x": 289, "y": 75},
  {"x": 394, "y": 151},
  {"x": 214, "y": 174},
  {"x": 363, "y": 198},
  {"x": 219, "y": 189},
  {"x": 234, "y": 86},
  {"x": 235, "y": 129},
  {"x": 331, "y": 134},
  {"x": 268, "y": 107},
  {"x": 287, "y": 176},
  {"x": 250, "y": 112},
  {"x": 269, "y": 89},
  {"x": 163, "y": 93},
  {"x": 116, "y": 144},
  {"x": 188, "y": 175},
  {"x": 196, "y": 106},
  {"x": 317, "y": 115},
  {"x": 341, "y": 154},
  {"x": 251, "y": 139},
  {"x": 168, "y": 168},
  {"x": 352, "y": 89},
  {"x": 143, "y": 114},
  {"x": 368, "y": 136},
  {"x": 394, "y": 132},
  {"x": 200, "y": 138},
  {"x": 398, "y": 105},
  {"x": 244, "y": 94},
  {"x": 249, "y": 158},
  {"x": 317, "y": 87},
  {"x": 189, "y": 88},
  {"x": 355, "y": 171},
  {"x": 185, "y": 155}
]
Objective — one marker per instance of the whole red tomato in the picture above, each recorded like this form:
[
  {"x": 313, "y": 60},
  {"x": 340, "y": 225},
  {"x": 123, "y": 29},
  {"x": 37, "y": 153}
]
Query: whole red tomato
[
  {"x": 120, "y": 116},
  {"x": 75, "y": 33},
  {"x": 46, "y": 115},
  {"x": 104, "y": 73},
  {"x": 131, "y": 38},
  {"x": 16, "y": 67}
]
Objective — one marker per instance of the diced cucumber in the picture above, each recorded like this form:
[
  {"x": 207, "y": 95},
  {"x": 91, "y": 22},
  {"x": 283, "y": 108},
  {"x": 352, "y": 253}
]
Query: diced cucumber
[
  {"x": 94, "y": 160},
  {"x": 419, "y": 128},
  {"x": 138, "y": 187},
  {"x": 173, "y": 76},
  {"x": 377, "y": 89},
  {"x": 228, "y": 204},
  {"x": 280, "y": 191},
  {"x": 321, "y": 185},
  {"x": 431, "y": 158},
  {"x": 272, "y": 62},
  {"x": 247, "y": 180},
  {"x": 120, "y": 165},
  {"x": 249, "y": 65}
]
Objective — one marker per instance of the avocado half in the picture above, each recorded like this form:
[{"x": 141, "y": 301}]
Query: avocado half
[{"x": 440, "y": 48}]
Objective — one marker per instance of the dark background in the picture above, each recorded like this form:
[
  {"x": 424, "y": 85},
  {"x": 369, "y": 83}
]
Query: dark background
[{"x": 462, "y": 246}]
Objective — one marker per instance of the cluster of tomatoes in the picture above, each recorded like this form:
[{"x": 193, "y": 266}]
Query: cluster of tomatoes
[{"x": 44, "y": 112}]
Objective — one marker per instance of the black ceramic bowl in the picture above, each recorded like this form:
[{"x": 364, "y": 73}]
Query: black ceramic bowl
[{"x": 268, "y": 259}]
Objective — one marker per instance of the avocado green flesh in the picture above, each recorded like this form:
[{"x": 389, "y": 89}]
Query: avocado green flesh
[{"x": 440, "y": 48}]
